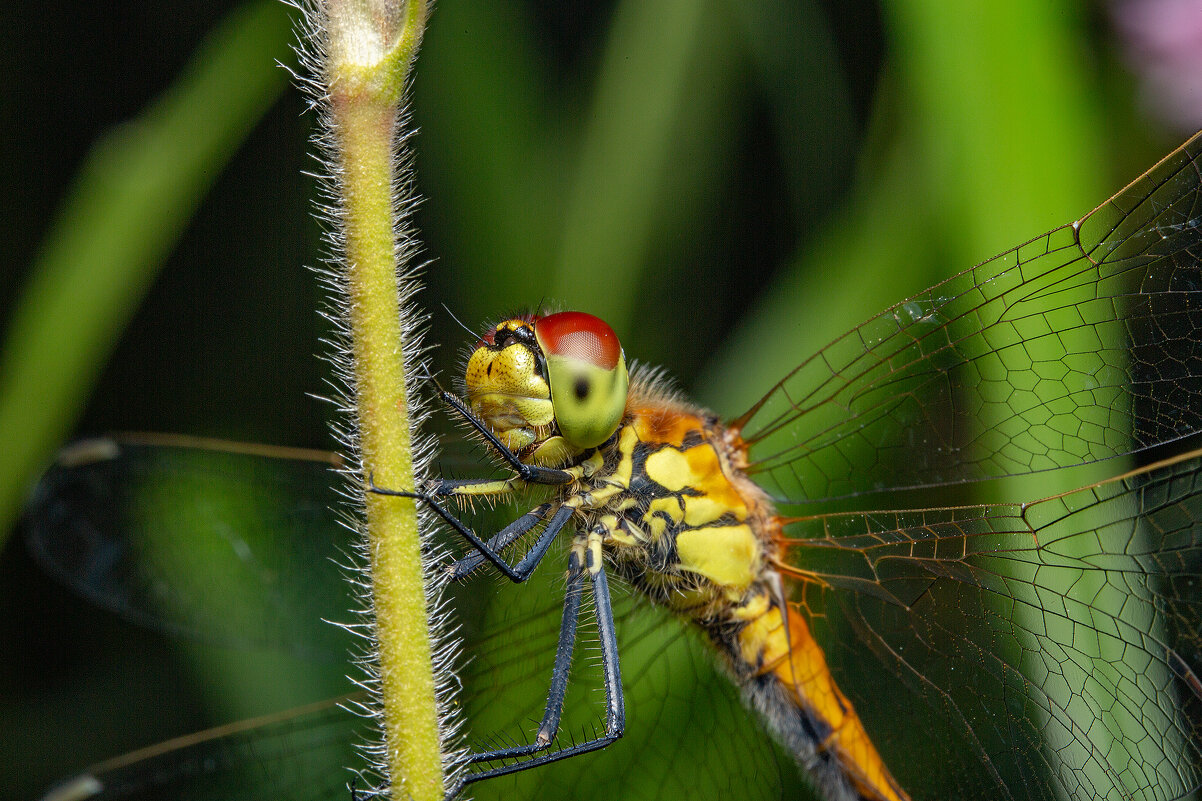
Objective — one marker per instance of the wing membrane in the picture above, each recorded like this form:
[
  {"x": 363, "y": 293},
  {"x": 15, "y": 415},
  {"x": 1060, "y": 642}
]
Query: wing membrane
[
  {"x": 1050, "y": 649},
  {"x": 212, "y": 543},
  {"x": 308, "y": 753},
  {"x": 1078, "y": 346}
]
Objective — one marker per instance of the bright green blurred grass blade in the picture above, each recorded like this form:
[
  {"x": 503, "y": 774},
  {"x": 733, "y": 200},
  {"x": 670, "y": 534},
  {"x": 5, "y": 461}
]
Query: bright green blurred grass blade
[
  {"x": 655, "y": 134},
  {"x": 559, "y": 197},
  {"x": 132, "y": 199},
  {"x": 996, "y": 143},
  {"x": 1001, "y": 139},
  {"x": 1010, "y": 135},
  {"x": 1015, "y": 146},
  {"x": 490, "y": 152}
]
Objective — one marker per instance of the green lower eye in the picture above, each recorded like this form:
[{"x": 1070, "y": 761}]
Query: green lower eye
[{"x": 589, "y": 401}]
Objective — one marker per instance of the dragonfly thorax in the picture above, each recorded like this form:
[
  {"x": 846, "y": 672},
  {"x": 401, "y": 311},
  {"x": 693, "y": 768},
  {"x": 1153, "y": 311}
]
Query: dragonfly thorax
[{"x": 677, "y": 518}]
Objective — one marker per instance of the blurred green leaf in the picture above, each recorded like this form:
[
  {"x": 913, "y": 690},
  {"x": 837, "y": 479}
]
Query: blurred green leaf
[{"x": 133, "y": 197}]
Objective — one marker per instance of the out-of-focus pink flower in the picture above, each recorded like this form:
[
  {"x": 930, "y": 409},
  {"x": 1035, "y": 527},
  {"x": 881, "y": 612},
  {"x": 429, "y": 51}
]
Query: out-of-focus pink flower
[{"x": 1163, "y": 44}]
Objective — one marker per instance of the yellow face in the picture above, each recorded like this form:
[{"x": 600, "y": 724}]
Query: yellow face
[
  {"x": 549, "y": 387},
  {"x": 507, "y": 388}
]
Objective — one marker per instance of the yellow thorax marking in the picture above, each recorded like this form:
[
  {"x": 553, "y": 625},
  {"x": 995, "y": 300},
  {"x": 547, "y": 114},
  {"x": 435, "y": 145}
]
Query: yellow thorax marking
[
  {"x": 670, "y": 506},
  {"x": 656, "y": 524},
  {"x": 754, "y": 609},
  {"x": 726, "y": 555},
  {"x": 698, "y": 469},
  {"x": 624, "y": 470},
  {"x": 616, "y": 535},
  {"x": 670, "y": 469}
]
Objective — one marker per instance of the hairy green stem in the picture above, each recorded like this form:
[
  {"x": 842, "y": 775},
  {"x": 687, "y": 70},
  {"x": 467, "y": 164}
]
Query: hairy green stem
[{"x": 370, "y": 50}]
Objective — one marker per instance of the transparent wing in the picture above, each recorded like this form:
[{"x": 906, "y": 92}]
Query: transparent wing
[
  {"x": 1075, "y": 347},
  {"x": 217, "y": 542},
  {"x": 1051, "y": 650},
  {"x": 1042, "y": 649},
  {"x": 299, "y": 755},
  {"x": 231, "y": 546}
]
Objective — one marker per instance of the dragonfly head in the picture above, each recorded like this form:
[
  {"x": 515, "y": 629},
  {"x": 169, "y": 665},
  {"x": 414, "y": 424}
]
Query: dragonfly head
[{"x": 549, "y": 386}]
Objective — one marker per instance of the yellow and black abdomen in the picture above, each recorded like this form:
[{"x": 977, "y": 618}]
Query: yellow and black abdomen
[{"x": 785, "y": 675}]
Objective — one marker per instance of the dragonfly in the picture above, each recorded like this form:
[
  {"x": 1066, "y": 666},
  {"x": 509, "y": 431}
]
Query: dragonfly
[{"x": 1044, "y": 648}]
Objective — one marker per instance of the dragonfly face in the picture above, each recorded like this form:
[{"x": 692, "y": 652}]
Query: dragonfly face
[
  {"x": 549, "y": 386},
  {"x": 1046, "y": 649}
]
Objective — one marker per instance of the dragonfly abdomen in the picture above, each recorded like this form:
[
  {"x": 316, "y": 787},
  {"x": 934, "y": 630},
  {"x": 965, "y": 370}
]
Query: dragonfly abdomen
[{"x": 784, "y": 675}]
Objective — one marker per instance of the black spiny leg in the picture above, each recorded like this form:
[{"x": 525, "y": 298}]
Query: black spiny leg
[
  {"x": 530, "y": 473},
  {"x": 526, "y": 474},
  {"x": 489, "y": 550},
  {"x": 507, "y": 535},
  {"x": 462, "y": 568},
  {"x": 615, "y": 718}
]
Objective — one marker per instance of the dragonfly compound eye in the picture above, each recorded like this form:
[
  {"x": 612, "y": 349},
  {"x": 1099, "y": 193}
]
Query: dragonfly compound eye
[{"x": 587, "y": 372}]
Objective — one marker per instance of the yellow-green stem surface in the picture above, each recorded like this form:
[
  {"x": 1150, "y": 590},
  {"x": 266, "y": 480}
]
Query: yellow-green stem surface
[{"x": 364, "y": 106}]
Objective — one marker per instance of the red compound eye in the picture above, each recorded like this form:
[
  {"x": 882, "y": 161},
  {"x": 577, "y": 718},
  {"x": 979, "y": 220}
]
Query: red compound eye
[{"x": 579, "y": 336}]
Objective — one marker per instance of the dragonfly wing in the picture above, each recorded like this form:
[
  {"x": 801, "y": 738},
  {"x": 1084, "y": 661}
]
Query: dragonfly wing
[
  {"x": 693, "y": 739},
  {"x": 1074, "y": 347},
  {"x": 220, "y": 545},
  {"x": 1044, "y": 651},
  {"x": 306, "y": 754}
]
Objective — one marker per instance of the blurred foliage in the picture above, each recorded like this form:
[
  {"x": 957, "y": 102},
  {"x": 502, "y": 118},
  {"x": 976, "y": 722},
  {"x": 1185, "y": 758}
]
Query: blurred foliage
[{"x": 730, "y": 184}]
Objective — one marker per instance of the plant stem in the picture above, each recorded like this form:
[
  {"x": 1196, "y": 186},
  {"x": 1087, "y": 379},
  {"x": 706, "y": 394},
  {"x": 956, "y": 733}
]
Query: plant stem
[{"x": 369, "y": 52}]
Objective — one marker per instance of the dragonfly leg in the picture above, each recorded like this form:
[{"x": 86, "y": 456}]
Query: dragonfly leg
[
  {"x": 615, "y": 718},
  {"x": 462, "y": 568},
  {"x": 530, "y": 473},
  {"x": 468, "y": 564},
  {"x": 490, "y": 550}
]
